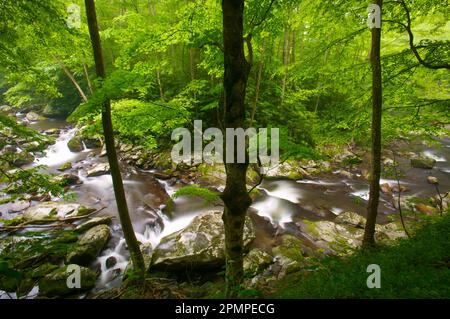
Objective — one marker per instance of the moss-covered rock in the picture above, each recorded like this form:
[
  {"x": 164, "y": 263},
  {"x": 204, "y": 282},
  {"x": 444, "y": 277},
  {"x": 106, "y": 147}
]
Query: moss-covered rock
[
  {"x": 52, "y": 210},
  {"x": 55, "y": 283},
  {"x": 104, "y": 220},
  {"x": 256, "y": 261},
  {"x": 423, "y": 162},
  {"x": 65, "y": 167},
  {"x": 89, "y": 245},
  {"x": 75, "y": 144}
]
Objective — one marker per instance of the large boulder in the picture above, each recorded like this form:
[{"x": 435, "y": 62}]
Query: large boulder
[
  {"x": 33, "y": 116},
  {"x": 55, "y": 283},
  {"x": 89, "y": 245},
  {"x": 75, "y": 144},
  {"x": 98, "y": 170},
  {"x": 423, "y": 162},
  {"x": 332, "y": 236},
  {"x": 200, "y": 244},
  {"x": 55, "y": 210}
]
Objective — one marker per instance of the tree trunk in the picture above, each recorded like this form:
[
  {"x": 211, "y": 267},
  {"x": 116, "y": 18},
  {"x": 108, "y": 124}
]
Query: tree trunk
[
  {"x": 127, "y": 226},
  {"x": 374, "y": 195},
  {"x": 235, "y": 195},
  {"x": 72, "y": 78},
  {"x": 286, "y": 56},
  {"x": 158, "y": 79},
  {"x": 88, "y": 80}
]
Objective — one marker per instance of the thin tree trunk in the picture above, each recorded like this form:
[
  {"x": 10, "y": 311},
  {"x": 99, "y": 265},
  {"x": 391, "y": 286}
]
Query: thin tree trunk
[
  {"x": 374, "y": 195},
  {"x": 286, "y": 54},
  {"x": 257, "y": 89},
  {"x": 235, "y": 195},
  {"x": 127, "y": 226},
  {"x": 158, "y": 79},
  {"x": 72, "y": 78},
  {"x": 88, "y": 80}
]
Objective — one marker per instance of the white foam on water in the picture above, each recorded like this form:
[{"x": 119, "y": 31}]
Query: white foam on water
[
  {"x": 336, "y": 210},
  {"x": 364, "y": 194},
  {"x": 58, "y": 153},
  {"x": 432, "y": 155},
  {"x": 273, "y": 209},
  {"x": 285, "y": 190}
]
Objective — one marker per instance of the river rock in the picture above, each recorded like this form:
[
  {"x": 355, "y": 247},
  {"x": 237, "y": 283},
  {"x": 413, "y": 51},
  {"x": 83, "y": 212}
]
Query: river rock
[
  {"x": 89, "y": 245},
  {"x": 92, "y": 142},
  {"x": 33, "y": 116},
  {"x": 55, "y": 283},
  {"x": 424, "y": 162},
  {"x": 65, "y": 167},
  {"x": 329, "y": 235},
  {"x": 386, "y": 189},
  {"x": 425, "y": 209},
  {"x": 432, "y": 180},
  {"x": 200, "y": 244},
  {"x": 256, "y": 261},
  {"x": 68, "y": 179},
  {"x": 104, "y": 220},
  {"x": 98, "y": 170},
  {"x": 351, "y": 218},
  {"x": 53, "y": 210},
  {"x": 52, "y": 132},
  {"x": 22, "y": 158},
  {"x": 75, "y": 144}
]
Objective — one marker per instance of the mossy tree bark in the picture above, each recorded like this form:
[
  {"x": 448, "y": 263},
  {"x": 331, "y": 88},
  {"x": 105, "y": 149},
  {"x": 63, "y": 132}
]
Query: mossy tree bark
[
  {"x": 122, "y": 207},
  {"x": 235, "y": 195},
  {"x": 374, "y": 195}
]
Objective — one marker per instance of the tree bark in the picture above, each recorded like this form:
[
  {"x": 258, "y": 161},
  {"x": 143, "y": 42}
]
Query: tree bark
[
  {"x": 88, "y": 80},
  {"x": 374, "y": 195},
  {"x": 235, "y": 195},
  {"x": 72, "y": 78},
  {"x": 127, "y": 226}
]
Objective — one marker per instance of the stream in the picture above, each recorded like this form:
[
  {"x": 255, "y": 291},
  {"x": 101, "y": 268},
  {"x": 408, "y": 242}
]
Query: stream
[{"x": 282, "y": 201}]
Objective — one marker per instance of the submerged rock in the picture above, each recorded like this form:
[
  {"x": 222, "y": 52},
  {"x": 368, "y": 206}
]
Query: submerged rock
[
  {"x": 98, "y": 170},
  {"x": 201, "y": 244},
  {"x": 55, "y": 283},
  {"x": 89, "y": 245}
]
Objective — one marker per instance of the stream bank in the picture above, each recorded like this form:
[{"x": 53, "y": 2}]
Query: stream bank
[{"x": 301, "y": 210}]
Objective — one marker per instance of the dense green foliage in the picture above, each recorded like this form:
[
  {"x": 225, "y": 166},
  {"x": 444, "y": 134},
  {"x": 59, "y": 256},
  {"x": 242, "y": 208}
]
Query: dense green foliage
[{"x": 310, "y": 73}]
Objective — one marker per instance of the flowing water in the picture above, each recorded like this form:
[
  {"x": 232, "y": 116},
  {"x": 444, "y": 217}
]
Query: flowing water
[{"x": 282, "y": 201}]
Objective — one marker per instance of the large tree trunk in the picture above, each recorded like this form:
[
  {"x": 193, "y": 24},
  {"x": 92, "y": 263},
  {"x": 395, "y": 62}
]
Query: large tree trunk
[
  {"x": 127, "y": 226},
  {"x": 235, "y": 195},
  {"x": 372, "y": 208}
]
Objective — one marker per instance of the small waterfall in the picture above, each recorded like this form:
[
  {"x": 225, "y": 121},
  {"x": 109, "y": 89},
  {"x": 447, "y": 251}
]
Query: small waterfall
[{"x": 59, "y": 153}]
